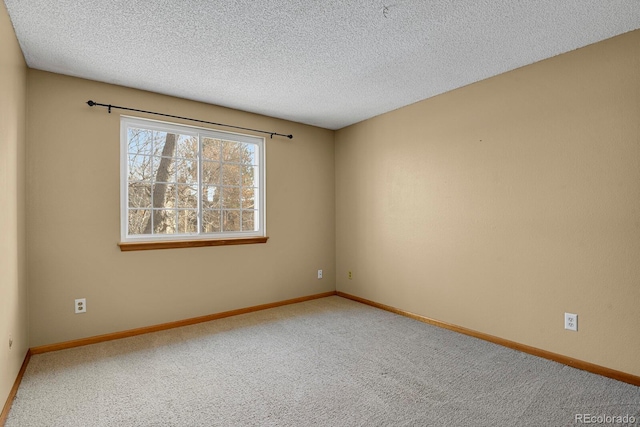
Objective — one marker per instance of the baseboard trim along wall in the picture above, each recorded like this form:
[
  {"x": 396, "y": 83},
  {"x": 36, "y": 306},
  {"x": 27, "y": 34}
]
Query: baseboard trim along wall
[
  {"x": 14, "y": 390},
  {"x": 164, "y": 326},
  {"x": 569, "y": 361},
  {"x": 578, "y": 364}
]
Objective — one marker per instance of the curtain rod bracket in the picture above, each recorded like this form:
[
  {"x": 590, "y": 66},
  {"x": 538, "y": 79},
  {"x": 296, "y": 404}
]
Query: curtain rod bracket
[{"x": 91, "y": 103}]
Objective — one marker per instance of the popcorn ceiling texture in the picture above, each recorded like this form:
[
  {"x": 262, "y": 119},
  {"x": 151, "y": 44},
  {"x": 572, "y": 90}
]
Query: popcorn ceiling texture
[{"x": 330, "y": 64}]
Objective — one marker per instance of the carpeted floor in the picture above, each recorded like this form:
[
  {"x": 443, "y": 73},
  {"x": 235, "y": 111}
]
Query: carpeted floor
[{"x": 326, "y": 362}]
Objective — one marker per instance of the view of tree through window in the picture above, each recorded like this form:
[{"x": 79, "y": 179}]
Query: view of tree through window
[{"x": 190, "y": 182}]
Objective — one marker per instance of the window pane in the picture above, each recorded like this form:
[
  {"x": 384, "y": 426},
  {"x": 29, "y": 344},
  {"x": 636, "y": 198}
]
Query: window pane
[
  {"x": 164, "y": 221},
  {"x": 250, "y": 155},
  {"x": 211, "y": 222},
  {"x": 231, "y": 174},
  {"x": 187, "y": 171},
  {"x": 139, "y": 141},
  {"x": 231, "y": 197},
  {"x": 164, "y": 169},
  {"x": 250, "y": 176},
  {"x": 231, "y": 220},
  {"x": 164, "y": 144},
  {"x": 211, "y": 197},
  {"x": 187, "y": 196},
  {"x": 249, "y": 197},
  {"x": 187, "y": 147},
  {"x": 210, "y": 149},
  {"x": 164, "y": 195},
  {"x": 232, "y": 151},
  {"x": 188, "y": 221},
  {"x": 211, "y": 172},
  {"x": 139, "y": 168},
  {"x": 248, "y": 221},
  {"x": 139, "y": 195},
  {"x": 138, "y": 221}
]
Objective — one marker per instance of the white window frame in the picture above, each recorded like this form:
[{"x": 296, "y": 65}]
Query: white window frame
[{"x": 127, "y": 122}]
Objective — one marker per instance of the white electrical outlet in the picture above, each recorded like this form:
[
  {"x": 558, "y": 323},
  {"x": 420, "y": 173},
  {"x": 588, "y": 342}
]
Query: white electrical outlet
[
  {"x": 319, "y": 274},
  {"x": 81, "y": 305},
  {"x": 571, "y": 321}
]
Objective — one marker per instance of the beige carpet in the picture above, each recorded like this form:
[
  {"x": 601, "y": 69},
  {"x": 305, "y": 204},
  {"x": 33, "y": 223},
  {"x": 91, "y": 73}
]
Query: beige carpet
[{"x": 327, "y": 362}]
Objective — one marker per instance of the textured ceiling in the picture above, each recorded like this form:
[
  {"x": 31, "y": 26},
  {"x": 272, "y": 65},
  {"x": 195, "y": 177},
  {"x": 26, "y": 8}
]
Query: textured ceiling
[{"x": 327, "y": 63}]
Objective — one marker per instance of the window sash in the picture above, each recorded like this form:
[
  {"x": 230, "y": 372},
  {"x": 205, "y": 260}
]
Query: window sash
[{"x": 256, "y": 177}]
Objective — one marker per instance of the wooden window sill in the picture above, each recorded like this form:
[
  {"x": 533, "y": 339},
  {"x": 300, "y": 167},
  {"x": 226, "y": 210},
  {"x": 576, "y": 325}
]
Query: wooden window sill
[{"x": 176, "y": 244}]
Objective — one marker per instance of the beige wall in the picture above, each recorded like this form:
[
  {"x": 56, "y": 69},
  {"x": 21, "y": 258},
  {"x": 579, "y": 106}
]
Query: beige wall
[
  {"x": 13, "y": 286},
  {"x": 503, "y": 204},
  {"x": 74, "y": 220}
]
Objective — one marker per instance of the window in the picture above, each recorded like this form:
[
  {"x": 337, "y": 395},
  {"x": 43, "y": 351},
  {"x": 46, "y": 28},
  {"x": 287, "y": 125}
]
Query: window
[{"x": 187, "y": 183}]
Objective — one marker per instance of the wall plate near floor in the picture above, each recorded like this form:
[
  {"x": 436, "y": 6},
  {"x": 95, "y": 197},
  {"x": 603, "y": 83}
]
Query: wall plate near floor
[
  {"x": 571, "y": 322},
  {"x": 319, "y": 274},
  {"x": 81, "y": 305}
]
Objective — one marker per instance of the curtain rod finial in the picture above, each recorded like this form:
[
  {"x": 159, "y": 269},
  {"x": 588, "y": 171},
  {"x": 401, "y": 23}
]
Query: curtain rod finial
[
  {"x": 290, "y": 136},
  {"x": 90, "y": 103}
]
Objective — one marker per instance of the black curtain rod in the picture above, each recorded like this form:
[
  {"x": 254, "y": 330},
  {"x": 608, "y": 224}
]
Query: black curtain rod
[{"x": 109, "y": 106}]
